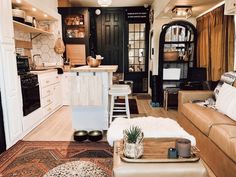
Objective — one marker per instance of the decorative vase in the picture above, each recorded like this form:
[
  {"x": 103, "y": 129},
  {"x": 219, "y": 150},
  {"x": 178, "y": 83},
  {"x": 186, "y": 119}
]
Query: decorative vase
[{"x": 133, "y": 151}]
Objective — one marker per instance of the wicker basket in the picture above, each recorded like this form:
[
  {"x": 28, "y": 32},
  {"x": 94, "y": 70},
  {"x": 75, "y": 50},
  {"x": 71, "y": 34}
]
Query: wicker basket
[{"x": 171, "y": 56}]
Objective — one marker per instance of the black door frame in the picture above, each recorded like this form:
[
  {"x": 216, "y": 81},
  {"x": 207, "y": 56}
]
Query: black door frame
[{"x": 136, "y": 75}]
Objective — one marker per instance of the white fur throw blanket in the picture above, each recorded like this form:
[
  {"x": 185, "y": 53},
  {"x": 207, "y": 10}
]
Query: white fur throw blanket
[{"x": 152, "y": 127}]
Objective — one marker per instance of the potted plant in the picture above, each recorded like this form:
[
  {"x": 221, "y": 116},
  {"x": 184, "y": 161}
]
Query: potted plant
[{"x": 133, "y": 146}]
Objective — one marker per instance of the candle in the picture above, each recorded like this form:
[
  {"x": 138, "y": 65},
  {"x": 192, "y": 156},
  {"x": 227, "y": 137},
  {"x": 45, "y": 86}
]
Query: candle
[{"x": 183, "y": 147}]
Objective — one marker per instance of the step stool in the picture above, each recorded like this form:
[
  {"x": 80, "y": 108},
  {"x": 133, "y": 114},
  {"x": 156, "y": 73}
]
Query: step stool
[{"x": 117, "y": 91}]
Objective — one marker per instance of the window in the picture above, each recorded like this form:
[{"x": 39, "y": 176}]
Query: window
[{"x": 137, "y": 47}]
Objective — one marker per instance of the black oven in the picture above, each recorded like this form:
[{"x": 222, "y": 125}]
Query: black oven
[{"x": 30, "y": 93}]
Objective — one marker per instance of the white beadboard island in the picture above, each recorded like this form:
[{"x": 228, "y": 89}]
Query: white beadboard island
[{"x": 89, "y": 98}]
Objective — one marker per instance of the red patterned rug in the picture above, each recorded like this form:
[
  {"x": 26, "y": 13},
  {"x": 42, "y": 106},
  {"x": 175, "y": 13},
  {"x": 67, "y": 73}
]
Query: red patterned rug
[{"x": 34, "y": 159}]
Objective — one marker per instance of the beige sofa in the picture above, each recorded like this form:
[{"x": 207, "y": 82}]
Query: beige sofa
[{"x": 215, "y": 133}]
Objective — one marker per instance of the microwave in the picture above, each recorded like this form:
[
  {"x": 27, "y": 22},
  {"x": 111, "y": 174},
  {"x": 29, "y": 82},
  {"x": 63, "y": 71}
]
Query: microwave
[{"x": 22, "y": 64}]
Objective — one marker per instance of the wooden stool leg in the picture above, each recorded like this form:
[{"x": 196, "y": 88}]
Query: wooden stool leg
[
  {"x": 111, "y": 108},
  {"x": 127, "y": 106}
]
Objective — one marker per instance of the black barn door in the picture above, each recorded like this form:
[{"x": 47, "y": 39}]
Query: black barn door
[{"x": 110, "y": 35}]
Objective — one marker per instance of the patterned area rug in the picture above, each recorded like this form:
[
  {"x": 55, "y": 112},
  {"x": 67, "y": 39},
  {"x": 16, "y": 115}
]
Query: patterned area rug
[{"x": 35, "y": 159}]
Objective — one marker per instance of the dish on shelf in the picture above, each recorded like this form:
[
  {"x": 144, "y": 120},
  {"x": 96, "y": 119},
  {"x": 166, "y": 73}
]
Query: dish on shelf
[
  {"x": 18, "y": 15},
  {"x": 29, "y": 20}
]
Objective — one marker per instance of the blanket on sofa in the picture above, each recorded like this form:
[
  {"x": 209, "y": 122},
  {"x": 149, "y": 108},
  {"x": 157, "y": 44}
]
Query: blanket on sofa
[{"x": 152, "y": 127}]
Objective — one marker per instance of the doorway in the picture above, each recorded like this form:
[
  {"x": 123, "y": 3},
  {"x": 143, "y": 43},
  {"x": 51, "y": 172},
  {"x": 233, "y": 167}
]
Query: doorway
[
  {"x": 110, "y": 36},
  {"x": 136, "y": 68},
  {"x": 122, "y": 38}
]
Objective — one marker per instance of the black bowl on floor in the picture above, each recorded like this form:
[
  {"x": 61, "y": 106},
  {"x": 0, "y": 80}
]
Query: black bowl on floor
[
  {"x": 80, "y": 135},
  {"x": 95, "y": 135}
]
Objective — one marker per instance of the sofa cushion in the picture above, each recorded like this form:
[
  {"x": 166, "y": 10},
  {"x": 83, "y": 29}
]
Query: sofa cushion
[
  {"x": 226, "y": 101},
  {"x": 203, "y": 118},
  {"x": 229, "y": 78},
  {"x": 224, "y": 136}
]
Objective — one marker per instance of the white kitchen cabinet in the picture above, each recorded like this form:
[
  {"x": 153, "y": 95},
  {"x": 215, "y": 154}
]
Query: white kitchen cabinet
[
  {"x": 230, "y": 7},
  {"x": 50, "y": 99},
  {"x": 57, "y": 98},
  {"x": 9, "y": 84},
  {"x": 67, "y": 80},
  {"x": 50, "y": 92},
  {"x": 87, "y": 89}
]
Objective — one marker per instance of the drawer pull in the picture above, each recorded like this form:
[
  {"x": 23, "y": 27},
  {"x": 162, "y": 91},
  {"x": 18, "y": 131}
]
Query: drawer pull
[{"x": 47, "y": 82}]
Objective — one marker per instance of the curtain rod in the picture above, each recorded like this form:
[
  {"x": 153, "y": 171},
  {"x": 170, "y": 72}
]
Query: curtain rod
[{"x": 214, "y": 7}]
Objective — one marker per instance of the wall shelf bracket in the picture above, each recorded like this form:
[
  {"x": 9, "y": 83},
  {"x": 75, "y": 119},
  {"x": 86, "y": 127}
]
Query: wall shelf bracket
[{"x": 34, "y": 36}]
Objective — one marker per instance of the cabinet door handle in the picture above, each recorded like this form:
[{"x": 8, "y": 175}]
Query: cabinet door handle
[
  {"x": 48, "y": 101},
  {"x": 49, "y": 109},
  {"x": 48, "y": 91},
  {"x": 47, "y": 82}
]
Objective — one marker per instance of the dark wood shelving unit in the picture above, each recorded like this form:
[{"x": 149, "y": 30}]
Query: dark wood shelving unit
[
  {"x": 75, "y": 25},
  {"x": 177, "y": 49}
]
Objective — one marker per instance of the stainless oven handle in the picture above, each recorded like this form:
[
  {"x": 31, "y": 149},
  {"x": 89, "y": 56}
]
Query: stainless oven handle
[{"x": 27, "y": 87}]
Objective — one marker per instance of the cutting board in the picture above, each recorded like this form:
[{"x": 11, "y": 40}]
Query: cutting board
[{"x": 76, "y": 53}]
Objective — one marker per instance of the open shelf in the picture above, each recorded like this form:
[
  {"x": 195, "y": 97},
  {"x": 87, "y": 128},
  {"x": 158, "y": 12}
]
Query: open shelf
[{"x": 29, "y": 29}]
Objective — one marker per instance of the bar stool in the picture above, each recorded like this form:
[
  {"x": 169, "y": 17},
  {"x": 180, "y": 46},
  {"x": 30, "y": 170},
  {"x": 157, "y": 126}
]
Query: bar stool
[{"x": 117, "y": 91}]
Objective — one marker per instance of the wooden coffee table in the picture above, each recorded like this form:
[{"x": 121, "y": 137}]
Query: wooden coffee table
[{"x": 163, "y": 168}]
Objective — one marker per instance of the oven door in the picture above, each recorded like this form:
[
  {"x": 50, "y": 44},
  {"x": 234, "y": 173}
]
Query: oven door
[{"x": 31, "y": 98}]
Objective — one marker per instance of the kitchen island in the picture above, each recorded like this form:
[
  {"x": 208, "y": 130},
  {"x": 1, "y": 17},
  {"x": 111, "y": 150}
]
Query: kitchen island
[{"x": 89, "y": 98}]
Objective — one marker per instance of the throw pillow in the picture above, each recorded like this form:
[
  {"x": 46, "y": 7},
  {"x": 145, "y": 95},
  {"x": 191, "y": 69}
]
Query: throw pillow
[
  {"x": 226, "y": 101},
  {"x": 228, "y": 78}
]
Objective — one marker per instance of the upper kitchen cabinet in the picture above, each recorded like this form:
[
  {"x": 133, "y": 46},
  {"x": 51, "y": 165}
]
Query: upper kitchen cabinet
[
  {"x": 75, "y": 25},
  {"x": 230, "y": 7}
]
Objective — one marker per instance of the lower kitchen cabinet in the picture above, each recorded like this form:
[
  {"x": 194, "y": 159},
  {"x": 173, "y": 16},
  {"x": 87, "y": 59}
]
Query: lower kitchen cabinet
[
  {"x": 50, "y": 99},
  {"x": 50, "y": 92},
  {"x": 67, "y": 79}
]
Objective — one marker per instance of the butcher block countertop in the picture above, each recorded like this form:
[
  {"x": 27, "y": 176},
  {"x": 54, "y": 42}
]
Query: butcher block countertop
[{"x": 101, "y": 68}]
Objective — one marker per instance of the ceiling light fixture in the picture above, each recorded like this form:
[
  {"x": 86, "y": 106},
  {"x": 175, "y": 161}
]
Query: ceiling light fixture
[
  {"x": 45, "y": 15},
  {"x": 104, "y": 3},
  {"x": 182, "y": 11},
  {"x": 34, "y": 9},
  {"x": 18, "y": 1}
]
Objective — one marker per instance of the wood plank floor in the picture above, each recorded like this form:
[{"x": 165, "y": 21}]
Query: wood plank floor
[{"x": 58, "y": 127}]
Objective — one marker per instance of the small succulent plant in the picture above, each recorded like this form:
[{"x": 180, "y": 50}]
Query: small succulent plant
[{"x": 133, "y": 135}]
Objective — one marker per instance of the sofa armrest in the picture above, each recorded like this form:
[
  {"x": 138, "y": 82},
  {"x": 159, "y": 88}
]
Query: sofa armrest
[{"x": 187, "y": 96}]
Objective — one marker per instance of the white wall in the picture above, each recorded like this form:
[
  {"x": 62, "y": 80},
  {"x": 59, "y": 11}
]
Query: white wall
[{"x": 159, "y": 6}]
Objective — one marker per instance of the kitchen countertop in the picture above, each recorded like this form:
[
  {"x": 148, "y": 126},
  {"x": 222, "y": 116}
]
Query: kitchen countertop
[
  {"x": 101, "y": 68},
  {"x": 42, "y": 71}
]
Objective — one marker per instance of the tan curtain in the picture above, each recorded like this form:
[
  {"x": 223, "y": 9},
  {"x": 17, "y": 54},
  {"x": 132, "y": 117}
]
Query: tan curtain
[{"x": 215, "y": 49}]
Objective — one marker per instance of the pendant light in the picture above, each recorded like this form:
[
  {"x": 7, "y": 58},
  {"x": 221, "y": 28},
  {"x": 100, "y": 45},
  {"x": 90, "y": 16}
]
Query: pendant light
[{"x": 104, "y": 3}]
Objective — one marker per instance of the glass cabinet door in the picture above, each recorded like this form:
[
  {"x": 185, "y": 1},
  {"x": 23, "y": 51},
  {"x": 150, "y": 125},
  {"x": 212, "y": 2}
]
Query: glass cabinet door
[{"x": 74, "y": 25}]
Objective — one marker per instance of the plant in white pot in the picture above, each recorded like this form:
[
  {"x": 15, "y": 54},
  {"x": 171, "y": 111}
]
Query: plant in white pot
[{"x": 133, "y": 146}]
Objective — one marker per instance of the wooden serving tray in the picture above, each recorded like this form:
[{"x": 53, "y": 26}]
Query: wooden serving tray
[{"x": 156, "y": 151}]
